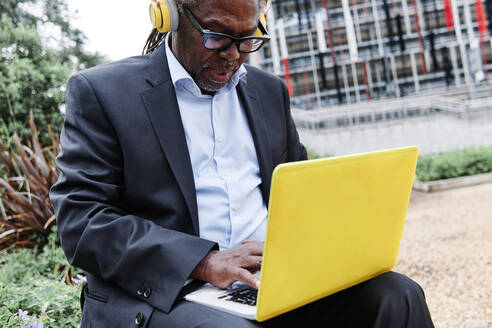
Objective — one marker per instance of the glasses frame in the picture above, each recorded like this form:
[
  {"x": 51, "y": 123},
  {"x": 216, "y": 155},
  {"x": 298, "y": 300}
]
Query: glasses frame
[{"x": 206, "y": 34}]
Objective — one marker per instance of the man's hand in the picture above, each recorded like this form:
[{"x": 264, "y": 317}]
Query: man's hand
[{"x": 223, "y": 268}]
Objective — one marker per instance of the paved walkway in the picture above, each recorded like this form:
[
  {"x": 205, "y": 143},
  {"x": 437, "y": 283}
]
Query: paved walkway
[{"x": 447, "y": 248}]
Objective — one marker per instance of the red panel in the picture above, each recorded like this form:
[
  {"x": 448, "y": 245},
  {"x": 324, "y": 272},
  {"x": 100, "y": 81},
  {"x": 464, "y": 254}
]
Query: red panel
[
  {"x": 448, "y": 13},
  {"x": 287, "y": 76},
  {"x": 481, "y": 19}
]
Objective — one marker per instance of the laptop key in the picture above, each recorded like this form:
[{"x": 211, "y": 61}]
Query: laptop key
[{"x": 244, "y": 296}]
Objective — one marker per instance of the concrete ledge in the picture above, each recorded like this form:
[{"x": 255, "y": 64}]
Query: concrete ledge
[{"x": 446, "y": 184}]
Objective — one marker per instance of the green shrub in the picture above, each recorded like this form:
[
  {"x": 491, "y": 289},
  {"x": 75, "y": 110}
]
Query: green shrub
[
  {"x": 455, "y": 164},
  {"x": 52, "y": 302},
  {"x": 36, "y": 282},
  {"x": 23, "y": 264},
  {"x": 312, "y": 154},
  {"x": 31, "y": 78}
]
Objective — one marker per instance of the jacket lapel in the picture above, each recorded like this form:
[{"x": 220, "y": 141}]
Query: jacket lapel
[
  {"x": 162, "y": 108},
  {"x": 253, "y": 109}
]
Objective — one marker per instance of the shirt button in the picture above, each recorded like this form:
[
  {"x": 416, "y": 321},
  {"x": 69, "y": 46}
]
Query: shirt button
[
  {"x": 140, "y": 291},
  {"x": 225, "y": 175},
  {"x": 219, "y": 139},
  {"x": 234, "y": 207}
]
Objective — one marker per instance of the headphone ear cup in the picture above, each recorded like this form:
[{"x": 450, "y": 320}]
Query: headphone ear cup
[
  {"x": 262, "y": 26},
  {"x": 164, "y": 15},
  {"x": 172, "y": 10},
  {"x": 155, "y": 15}
]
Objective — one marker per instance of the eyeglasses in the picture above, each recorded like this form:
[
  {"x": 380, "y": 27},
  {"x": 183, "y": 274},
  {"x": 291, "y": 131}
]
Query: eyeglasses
[{"x": 214, "y": 41}]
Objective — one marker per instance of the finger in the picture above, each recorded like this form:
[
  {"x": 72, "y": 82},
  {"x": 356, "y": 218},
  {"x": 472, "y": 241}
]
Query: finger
[
  {"x": 255, "y": 247},
  {"x": 248, "y": 278},
  {"x": 251, "y": 262},
  {"x": 252, "y": 270}
]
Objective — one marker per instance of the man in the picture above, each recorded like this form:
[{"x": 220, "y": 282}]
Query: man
[{"x": 165, "y": 174}]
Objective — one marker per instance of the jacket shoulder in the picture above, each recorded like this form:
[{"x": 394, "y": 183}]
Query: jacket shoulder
[
  {"x": 265, "y": 83},
  {"x": 123, "y": 66},
  {"x": 255, "y": 74},
  {"x": 126, "y": 74}
]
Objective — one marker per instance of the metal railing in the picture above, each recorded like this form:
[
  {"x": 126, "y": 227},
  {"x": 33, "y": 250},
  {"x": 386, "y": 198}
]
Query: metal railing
[{"x": 451, "y": 103}]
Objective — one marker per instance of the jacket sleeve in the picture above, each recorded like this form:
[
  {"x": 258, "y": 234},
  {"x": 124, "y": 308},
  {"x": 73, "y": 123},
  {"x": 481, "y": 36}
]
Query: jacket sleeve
[
  {"x": 96, "y": 234},
  {"x": 296, "y": 151}
]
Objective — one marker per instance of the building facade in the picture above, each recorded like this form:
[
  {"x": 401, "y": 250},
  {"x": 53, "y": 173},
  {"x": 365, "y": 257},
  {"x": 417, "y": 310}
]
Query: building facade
[{"x": 332, "y": 52}]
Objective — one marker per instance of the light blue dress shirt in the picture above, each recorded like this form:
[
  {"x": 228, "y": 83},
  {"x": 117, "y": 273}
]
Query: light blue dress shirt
[{"x": 223, "y": 156}]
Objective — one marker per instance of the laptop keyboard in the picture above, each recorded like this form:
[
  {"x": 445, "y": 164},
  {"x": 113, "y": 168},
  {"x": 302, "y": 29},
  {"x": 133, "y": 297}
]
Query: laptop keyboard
[{"x": 245, "y": 295}]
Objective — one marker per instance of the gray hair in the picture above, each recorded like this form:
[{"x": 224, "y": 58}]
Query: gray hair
[
  {"x": 187, "y": 3},
  {"x": 192, "y": 3}
]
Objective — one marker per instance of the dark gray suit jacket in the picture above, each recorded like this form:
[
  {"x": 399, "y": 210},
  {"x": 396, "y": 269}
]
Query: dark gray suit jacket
[{"x": 125, "y": 201}]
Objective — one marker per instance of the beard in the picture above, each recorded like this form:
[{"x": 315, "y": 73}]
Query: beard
[{"x": 208, "y": 83}]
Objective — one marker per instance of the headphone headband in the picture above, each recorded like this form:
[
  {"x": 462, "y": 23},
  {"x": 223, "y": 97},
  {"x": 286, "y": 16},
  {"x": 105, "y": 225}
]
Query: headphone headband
[{"x": 164, "y": 16}]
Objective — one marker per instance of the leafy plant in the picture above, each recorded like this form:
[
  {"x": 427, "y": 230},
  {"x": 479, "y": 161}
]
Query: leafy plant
[
  {"x": 48, "y": 301},
  {"x": 23, "y": 318},
  {"x": 56, "y": 16},
  {"x": 34, "y": 287},
  {"x": 28, "y": 172},
  {"x": 49, "y": 261},
  {"x": 31, "y": 78},
  {"x": 312, "y": 154},
  {"x": 455, "y": 164},
  {"x": 40, "y": 48}
]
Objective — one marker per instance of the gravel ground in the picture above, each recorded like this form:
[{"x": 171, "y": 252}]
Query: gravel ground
[{"x": 447, "y": 248}]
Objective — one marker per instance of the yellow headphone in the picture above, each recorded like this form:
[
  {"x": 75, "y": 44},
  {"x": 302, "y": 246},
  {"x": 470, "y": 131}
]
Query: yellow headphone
[
  {"x": 262, "y": 25},
  {"x": 164, "y": 17}
]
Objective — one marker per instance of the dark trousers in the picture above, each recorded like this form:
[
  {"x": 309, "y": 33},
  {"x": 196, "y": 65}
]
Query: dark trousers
[{"x": 389, "y": 300}]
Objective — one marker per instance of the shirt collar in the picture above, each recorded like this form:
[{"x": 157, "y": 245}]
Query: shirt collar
[{"x": 181, "y": 77}]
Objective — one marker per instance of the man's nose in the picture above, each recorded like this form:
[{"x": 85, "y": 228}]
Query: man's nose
[{"x": 231, "y": 53}]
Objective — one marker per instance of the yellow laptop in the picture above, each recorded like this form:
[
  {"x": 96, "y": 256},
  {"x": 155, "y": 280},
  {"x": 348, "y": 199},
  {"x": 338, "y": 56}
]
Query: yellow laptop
[{"x": 332, "y": 223}]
